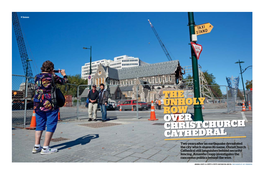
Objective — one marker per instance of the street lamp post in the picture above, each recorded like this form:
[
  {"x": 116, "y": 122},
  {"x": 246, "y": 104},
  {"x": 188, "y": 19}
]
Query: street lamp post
[
  {"x": 198, "y": 116},
  {"x": 90, "y": 61},
  {"x": 239, "y": 62}
]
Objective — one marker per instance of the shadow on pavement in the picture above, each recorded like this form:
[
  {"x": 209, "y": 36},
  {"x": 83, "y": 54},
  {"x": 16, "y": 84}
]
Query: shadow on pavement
[
  {"x": 109, "y": 118},
  {"x": 82, "y": 141}
]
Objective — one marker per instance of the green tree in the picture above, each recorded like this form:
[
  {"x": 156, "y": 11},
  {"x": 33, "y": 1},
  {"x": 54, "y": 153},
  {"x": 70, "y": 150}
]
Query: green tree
[
  {"x": 240, "y": 94},
  {"x": 71, "y": 87},
  {"x": 249, "y": 84},
  {"x": 210, "y": 78},
  {"x": 188, "y": 77}
]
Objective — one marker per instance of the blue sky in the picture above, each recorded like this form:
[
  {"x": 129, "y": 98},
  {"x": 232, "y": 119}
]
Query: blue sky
[{"x": 60, "y": 37}]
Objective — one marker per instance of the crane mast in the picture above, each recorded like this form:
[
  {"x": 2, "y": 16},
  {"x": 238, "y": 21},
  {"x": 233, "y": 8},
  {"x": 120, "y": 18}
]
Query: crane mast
[
  {"x": 22, "y": 47},
  {"x": 161, "y": 43}
]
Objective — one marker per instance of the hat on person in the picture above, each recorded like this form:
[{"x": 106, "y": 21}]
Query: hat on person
[{"x": 94, "y": 86}]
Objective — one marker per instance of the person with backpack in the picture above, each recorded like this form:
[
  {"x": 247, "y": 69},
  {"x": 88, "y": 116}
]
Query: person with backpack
[{"x": 46, "y": 111}]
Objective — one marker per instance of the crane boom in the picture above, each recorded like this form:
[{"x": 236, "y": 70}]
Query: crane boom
[
  {"x": 161, "y": 43},
  {"x": 22, "y": 47}
]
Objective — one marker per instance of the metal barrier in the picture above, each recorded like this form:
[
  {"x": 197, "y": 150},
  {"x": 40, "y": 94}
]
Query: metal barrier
[
  {"x": 221, "y": 99},
  {"x": 22, "y": 103},
  {"x": 82, "y": 93},
  {"x": 114, "y": 101}
]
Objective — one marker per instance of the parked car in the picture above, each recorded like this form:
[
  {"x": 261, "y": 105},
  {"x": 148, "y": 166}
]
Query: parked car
[
  {"x": 17, "y": 106},
  {"x": 145, "y": 105},
  {"x": 149, "y": 105},
  {"x": 21, "y": 106},
  {"x": 129, "y": 104},
  {"x": 113, "y": 104},
  {"x": 30, "y": 105},
  {"x": 108, "y": 107}
]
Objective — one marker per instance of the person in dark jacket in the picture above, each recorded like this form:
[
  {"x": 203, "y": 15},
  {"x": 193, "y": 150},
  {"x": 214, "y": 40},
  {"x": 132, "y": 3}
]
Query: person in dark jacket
[
  {"x": 103, "y": 100},
  {"x": 179, "y": 74},
  {"x": 92, "y": 107}
]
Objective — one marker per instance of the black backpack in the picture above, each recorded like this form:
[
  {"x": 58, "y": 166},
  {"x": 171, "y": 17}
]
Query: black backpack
[{"x": 57, "y": 97}]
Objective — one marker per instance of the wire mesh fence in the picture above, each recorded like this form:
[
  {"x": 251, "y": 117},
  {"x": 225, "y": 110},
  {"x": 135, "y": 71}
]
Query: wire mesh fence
[
  {"x": 117, "y": 101},
  {"x": 134, "y": 97},
  {"x": 138, "y": 97},
  {"x": 22, "y": 100}
]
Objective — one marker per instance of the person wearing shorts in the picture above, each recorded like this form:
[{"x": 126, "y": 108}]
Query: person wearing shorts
[{"x": 46, "y": 112}]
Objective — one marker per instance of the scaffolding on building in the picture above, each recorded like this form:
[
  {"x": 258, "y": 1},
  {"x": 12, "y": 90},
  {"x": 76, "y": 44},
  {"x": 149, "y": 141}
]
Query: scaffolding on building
[{"x": 205, "y": 90}]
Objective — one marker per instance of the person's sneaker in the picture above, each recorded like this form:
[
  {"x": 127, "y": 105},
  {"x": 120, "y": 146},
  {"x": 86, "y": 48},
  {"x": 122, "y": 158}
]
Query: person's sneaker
[
  {"x": 36, "y": 149},
  {"x": 95, "y": 120},
  {"x": 48, "y": 151},
  {"x": 89, "y": 119}
]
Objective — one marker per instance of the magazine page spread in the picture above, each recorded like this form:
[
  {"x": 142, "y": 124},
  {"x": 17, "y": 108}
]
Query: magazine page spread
[{"x": 132, "y": 87}]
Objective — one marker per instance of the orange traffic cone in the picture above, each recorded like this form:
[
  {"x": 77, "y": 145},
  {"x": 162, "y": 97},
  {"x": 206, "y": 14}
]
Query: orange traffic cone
[
  {"x": 33, "y": 123},
  {"x": 152, "y": 113},
  {"x": 203, "y": 106},
  {"x": 59, "y": 115},
  {"x": 120, "y": 108},
  {"x": 132, "y": 108},
  {"x": 249, "y": 106},
  {"x": 243, "y": 106}
]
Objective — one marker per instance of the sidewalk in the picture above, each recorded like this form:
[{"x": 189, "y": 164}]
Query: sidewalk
[{"x": 121, "y": 140}]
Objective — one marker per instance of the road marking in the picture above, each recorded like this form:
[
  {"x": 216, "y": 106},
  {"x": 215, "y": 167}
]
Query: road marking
[
  {"x": 244, "y": 117},
  {"x": 204, "y": 138}
]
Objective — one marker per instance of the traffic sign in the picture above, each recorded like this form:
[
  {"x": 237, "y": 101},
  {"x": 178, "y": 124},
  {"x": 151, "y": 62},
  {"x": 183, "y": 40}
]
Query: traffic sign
[
  {"x": 203, "y": 28},
  {"x": 197, "y": 49},
  {"x": 89, "y": 79}
]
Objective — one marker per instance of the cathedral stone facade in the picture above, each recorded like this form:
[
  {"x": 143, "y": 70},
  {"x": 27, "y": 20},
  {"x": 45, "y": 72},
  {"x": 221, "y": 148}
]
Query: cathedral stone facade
[{"x": 123, "y": 83}]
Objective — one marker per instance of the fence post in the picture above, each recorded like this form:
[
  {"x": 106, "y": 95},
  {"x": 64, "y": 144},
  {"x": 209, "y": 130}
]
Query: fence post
[
  {"x": 137, "y": 100},
  {"x": 227, "y": 99},
  {"x": 234, "y": 104},
  {"x": 78, "y": 98},
  {"x": 25, "y": 105},
  {"x": 78, "y": 103}
]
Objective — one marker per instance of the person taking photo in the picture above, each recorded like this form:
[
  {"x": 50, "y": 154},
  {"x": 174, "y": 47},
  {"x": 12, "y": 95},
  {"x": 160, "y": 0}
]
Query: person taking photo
[{"x": 46, "y": 112}]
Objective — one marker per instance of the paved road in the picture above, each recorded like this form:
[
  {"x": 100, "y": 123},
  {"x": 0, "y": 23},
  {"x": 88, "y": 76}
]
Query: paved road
[
  {"x": 70, "y": 113},
  {"x": 124, "y": 139}
]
